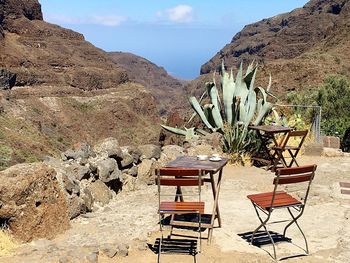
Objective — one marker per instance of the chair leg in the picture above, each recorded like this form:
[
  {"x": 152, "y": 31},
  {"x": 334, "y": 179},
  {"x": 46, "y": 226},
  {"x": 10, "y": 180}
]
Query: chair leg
[
  {"x": 263, "y": 224},
  {"x": 160, "y": 248},
  {"x": 301, "y": 231},
  {"x": 210, "y": 235}
]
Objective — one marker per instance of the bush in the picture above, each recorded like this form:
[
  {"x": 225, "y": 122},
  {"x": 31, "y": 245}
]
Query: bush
[{"x": 334, "y": 98}]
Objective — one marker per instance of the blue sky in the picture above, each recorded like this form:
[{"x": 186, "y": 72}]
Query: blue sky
[{"x": 177, "y": 35}]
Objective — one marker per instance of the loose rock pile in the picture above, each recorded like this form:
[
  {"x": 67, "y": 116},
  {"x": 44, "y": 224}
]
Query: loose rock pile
[
  {"x": 91, "y": 176},
  {"x": 44, "y": 196}
]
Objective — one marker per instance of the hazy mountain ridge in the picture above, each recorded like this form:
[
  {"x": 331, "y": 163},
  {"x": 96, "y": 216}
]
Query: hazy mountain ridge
[{"x": 168, "y": 90}]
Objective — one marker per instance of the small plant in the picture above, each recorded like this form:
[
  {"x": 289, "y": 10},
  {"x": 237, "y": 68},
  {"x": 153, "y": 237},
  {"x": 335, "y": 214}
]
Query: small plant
[
  {"x": 7, "y": 243},
  {"x": 230, "y": 113}
]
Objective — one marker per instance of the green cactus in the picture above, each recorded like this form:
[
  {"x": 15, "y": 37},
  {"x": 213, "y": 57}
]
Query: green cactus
[{"x": 242, "y": 105}]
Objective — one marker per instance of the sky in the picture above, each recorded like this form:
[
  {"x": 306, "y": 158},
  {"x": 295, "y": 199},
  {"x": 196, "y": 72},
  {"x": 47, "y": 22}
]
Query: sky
[{"x": 177, "y": 35}]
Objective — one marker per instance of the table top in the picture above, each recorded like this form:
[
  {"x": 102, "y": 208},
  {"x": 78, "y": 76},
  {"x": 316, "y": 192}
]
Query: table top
[
  {"x": 271, "y": 128},
  {"x": 193, "y": 162}
]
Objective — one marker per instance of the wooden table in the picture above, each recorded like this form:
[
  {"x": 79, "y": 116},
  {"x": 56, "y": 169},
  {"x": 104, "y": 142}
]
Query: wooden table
[
  {"x": 267, "y": 133},
  {"x": 211, "y": 168}
]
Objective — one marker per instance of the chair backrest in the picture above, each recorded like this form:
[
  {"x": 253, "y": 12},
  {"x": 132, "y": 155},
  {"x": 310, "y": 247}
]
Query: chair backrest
[
  {"x": 295, "y": 134},
  {"x": 295, "y": 175},
  {"x": 179, "y": 177}
]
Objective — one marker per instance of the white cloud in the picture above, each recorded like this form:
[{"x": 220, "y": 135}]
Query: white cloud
[
  {"x": 178, "y": 14},
  {"x": 111, "y": 20}
]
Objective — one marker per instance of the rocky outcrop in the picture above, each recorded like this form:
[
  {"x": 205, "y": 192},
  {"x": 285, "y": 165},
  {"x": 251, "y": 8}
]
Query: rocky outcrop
[
  {"x": 91, "y": 176},
  {"x": 7, "y": 79},
  {"x": 33, "y": 204},
  {"x": 299, "y": 48}
]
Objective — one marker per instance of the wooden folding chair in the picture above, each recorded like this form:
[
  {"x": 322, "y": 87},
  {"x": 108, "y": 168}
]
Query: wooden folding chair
[
  {"x": 268, "y": 202},
  {"x": 287, "y": 147},
  {"x": 178, "y": 177}
]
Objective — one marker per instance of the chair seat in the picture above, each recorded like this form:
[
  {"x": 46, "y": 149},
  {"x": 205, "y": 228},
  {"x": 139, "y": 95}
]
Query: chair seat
[
  {"x": 181, "y": 207},
  {"x": 282, "y": 199}
]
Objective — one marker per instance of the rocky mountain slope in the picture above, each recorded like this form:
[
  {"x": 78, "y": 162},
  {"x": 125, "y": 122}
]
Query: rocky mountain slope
[
  {"x": 66, "y": 90},
  {"x": 299, "y": 48},
  {"x": 165, "y": 88},
  {"x": 42, "y": 53}
]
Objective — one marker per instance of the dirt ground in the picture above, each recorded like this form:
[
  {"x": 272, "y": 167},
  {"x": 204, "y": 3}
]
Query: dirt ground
[{"x": 133, "y": 217}]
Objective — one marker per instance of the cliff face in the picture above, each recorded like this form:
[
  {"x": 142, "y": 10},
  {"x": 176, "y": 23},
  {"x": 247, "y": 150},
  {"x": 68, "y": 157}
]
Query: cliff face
[
  {"x": 42, "y": 53},
  {"x": 66, "y": 90},
  {"x": 299, "y": 48}
]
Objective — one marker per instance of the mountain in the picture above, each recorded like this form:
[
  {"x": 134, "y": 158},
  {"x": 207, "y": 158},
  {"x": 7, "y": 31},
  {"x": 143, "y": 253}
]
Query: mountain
[
  {"x": 299, "y": 48},
  {"x": 66, "y": 90},
  {"x": 165, "y": 88},
  {"x": 45, "y": 54}
]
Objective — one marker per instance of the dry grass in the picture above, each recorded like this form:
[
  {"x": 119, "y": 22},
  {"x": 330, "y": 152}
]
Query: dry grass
[{"x": 7, "y": 243}]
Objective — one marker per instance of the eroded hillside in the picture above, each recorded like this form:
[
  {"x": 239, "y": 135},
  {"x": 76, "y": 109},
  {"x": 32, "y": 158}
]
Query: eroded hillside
[
  {"x": 299, "y": 48},
  {"x": 66, "y": 90}
]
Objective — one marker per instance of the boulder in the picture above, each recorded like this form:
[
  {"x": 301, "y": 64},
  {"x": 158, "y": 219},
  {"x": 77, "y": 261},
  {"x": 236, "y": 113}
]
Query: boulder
[
  {"x": 100, "y": 192},
  {"x": 70, "y": 185},
  {"x": 107, "y": 170},
  {"x": 32, "y": 202},
  {"x": 76, "y": 206},
  {"x": 79, "y": 151},
  {"x": 86, "y": 195},
  {"x": 126, "y": 161},
  {"x": 150, "y": 151},
  {"x": 109, "y": 147},
  {"x": 331, "y": 142},
  {"x": 170, "y": 153},
  {"x": 7, "y": 79},
  {"x": 332, "y": 152},
  {"x": 132, "y": 171},
  {"x": 133, "y": 151},
  {"x": 145, "y": 172},
  {"x": 78, "y": 171}
]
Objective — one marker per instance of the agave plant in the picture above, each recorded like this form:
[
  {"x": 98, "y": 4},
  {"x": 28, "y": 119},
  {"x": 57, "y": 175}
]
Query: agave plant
[{"x": 230, "y": 114}]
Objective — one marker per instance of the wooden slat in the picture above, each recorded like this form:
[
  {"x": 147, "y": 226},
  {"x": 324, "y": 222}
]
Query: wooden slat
[
  {"x": 181, "y": 207},
  {"x": 178, "y": 171},
  {"x": 298, "y": 133},
  {"x": 296, "y": 170},
  {"x": 293, "y": 179},
  {"x": 345, "y": 191},
  {"x": 180, "y": 182},
  {"x": 281, "y": 199},
  {"x": 192, "y": 163},
  {"x": 344, "y": 185}
]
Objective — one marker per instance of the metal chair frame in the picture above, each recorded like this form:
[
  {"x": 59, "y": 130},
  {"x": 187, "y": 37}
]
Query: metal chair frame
[
  {"x": 286, "y": 176},
  {"x": 181, "y": 178},
  {"x": 285, "y": 147}
]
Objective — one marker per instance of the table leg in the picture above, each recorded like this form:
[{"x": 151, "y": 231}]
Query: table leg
[
  {"x": 216, "y": 210},
  {"x": 179, "y": 194}
]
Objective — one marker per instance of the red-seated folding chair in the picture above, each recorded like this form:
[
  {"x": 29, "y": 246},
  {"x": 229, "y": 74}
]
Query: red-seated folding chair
[
  {"x": 178, "y": 177},
  {"x": 268, "y": 202}
]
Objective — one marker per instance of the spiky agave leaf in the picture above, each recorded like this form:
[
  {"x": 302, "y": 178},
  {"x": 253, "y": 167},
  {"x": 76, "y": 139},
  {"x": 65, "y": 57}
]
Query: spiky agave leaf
[
  {"x": 198, "y": 109},
  {"x": 228, "y": 90},
  {"x": 188, "y": 133},
  {"x": 213, "y": 93},
  {"x": 265, "y": 109}
]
